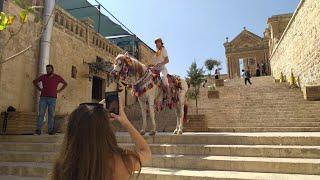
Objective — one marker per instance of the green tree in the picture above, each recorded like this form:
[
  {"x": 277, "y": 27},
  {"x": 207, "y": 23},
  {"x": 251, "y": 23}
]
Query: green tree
[
  {"x": 211, "y": 64},
  {"x": 195, "y": 79}
]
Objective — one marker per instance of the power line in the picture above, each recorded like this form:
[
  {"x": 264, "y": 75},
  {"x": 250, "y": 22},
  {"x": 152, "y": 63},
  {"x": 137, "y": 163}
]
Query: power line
[
  {"x": 81, "y": 7},
  {"x": 114, "y": 17},
  {"x": 99, "y": 9}
]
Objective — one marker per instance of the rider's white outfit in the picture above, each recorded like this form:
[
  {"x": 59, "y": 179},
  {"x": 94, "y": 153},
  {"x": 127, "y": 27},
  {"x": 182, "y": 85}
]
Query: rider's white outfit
[{"x": 159, "y": 59}]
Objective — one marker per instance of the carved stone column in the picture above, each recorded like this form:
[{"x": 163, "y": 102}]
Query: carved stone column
[{"x": 229, "y": 67}]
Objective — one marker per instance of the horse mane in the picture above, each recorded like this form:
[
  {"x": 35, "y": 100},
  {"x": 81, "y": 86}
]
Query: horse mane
[{"x": 137, "y": 66}]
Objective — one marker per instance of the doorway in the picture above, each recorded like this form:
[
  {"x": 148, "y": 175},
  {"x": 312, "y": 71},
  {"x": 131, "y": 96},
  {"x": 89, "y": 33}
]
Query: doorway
[
  {"x": 241, "y": 65},
  {"x": 98, "y": 88}
]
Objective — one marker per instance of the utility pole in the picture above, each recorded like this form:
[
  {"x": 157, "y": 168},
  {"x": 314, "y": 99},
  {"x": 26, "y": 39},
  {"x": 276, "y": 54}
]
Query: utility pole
[
  {"x": 45, "y": 41},
  {"x": 99, "y": 8},
  {"x": 1, "y": 4}
]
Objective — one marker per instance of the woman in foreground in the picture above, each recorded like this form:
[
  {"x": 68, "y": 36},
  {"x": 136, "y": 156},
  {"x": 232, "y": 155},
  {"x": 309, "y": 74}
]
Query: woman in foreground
[{"x": 90, "y": 150}]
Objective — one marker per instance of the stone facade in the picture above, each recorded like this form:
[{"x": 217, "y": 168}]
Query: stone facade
[
  {"x": 139, "y": 50},
  {"x": 248, "y": 47},
  {"x": 276, "y": 26},
  {"x": 146, "y": 54},
  {"x": 74, "y": 44},
  {"x": 298, "y": 49}
]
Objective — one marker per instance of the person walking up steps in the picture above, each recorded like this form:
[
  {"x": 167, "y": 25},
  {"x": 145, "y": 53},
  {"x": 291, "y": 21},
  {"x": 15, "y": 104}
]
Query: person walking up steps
[{"x": 246, "y": 75}]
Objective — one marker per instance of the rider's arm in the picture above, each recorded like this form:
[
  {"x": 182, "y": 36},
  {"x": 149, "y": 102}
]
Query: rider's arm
[
  {"x": 166, "y": 60},
  {"x": 165, "y": 55}
]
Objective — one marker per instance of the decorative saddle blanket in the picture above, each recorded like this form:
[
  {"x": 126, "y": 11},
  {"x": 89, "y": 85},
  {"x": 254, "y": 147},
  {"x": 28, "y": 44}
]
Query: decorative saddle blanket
[{"x": 152, "y": 78}]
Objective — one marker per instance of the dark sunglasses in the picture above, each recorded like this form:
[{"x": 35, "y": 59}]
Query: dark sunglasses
[{"x": 96, "y": 105}]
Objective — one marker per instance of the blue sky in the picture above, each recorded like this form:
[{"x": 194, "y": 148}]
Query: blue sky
[{"x": 195, "y": 29}]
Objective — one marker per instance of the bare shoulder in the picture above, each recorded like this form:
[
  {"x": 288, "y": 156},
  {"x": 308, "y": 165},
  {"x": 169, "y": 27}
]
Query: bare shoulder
[{"x": 121, "y": 171}]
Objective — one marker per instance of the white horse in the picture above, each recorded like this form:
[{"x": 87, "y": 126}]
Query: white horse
[{"x": 134, "y": 73}]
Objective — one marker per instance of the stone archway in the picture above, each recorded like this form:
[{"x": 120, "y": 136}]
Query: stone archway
[{"x": 251, "y": 48}]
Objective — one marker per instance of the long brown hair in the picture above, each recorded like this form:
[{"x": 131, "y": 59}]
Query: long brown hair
[{"x": 89, "y": 148}]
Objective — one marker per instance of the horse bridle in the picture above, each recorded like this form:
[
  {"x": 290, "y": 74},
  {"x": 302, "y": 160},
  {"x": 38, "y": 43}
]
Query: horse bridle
[{"x": 123, "y": 64}]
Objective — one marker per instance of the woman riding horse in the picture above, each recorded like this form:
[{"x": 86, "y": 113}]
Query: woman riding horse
[
  {"x": 161, "y": 59},
  {"x": 149, "y": 90}
]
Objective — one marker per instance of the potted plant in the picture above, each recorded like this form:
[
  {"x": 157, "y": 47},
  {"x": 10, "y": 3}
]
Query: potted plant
[
  {"x": 213, "y": 93},
  {"x": 210, "y": 65}
]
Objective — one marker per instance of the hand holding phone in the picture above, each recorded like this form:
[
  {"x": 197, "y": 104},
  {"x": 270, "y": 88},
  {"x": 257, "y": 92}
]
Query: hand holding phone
[
  {"x": 121, "y": 117},
  {"x": 112, "y": 102}
]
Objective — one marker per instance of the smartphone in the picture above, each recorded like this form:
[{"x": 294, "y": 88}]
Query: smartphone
[{"x": 112, "y": 104}]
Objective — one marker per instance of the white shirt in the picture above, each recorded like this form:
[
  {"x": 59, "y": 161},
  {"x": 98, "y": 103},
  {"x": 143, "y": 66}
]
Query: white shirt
[{"x": 163, "y": 55}]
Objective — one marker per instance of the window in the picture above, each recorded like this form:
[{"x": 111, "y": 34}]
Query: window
[{"x": 74, "y": 72}]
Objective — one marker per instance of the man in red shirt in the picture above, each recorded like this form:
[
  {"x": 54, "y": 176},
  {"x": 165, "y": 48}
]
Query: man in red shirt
[{"x": 48, "y": 97}]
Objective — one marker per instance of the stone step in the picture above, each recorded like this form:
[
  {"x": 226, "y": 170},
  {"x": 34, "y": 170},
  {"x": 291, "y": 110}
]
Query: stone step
[
  {"x": 39, "y": 152},
  {"x": 149, "y": 173},
  {"x": 263, "y": 129},
  {"x": 276, "y": 138},
  {"x": 28, "y": 169},
  {"x": 29, "y": 147},
  {"x": 4, "y": 177},
  {"x": 34, "y": 157},
  {"x": 266, "y": 124},
  {"x": 24, "y": 171},
  {"x": 226, "y": 138},
  {"x": 220, "y": 120},
  {"x": 32, "y": 138},
  {"x": 278, "y": 151},
  {"x": 236, "y": 163}
]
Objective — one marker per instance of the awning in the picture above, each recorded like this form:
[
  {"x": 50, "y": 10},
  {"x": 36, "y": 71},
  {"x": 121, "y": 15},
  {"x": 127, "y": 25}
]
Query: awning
[{"x": 82, "y": 9}]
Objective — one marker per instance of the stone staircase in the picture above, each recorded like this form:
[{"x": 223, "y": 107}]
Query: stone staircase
[
  {"x": 245, "y": 146},
  {"x": 192, "y": 156},
  {"x": 263, "y": 107}
]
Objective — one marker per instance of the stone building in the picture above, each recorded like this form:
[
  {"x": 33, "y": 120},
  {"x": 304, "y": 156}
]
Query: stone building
[
  {"x": 276, "y": 26},
  {"x": 290, "y": 47},
  {"x": 139, "y": 50},
  {"x": 75, "y": 48},
  {"x": 297, "y": 51},
  {"x": 245, "y": 51},
  {"x": 135, "y": 47}
]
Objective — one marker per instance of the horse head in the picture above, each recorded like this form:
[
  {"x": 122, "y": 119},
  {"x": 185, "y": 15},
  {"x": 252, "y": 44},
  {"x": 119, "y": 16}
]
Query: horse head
[
  {"x": 127, "y": 67},
  {"x": 121, "y": 61}
]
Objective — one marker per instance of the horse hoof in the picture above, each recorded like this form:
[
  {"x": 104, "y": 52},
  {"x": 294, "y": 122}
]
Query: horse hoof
[
  {"x": 175, "y": 132},
  {"x": 180, "y": 132},
  {"x": 152, "y": 133},
  {"x": 142, "y": 132}
]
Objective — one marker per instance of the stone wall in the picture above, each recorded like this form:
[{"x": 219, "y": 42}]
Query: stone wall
[
  {"x": 298, "y": 50},
  {"x": 17, "y": 74},
  {"x": 146, "y": 54},
  {"x": 73, "y": 42},
  {"x": 276, "y": 26}
]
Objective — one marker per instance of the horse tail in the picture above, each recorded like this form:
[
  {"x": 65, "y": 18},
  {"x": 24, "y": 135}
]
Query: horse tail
[
  {"x": 185, "y": 107},
  {"x": 185, "y": 114}
]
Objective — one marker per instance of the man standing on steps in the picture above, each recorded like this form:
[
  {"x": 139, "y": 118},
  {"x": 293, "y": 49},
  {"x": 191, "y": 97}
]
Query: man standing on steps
[
  {"x": 50, "y": 82},
  {"x": 246, "y": 75}
]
